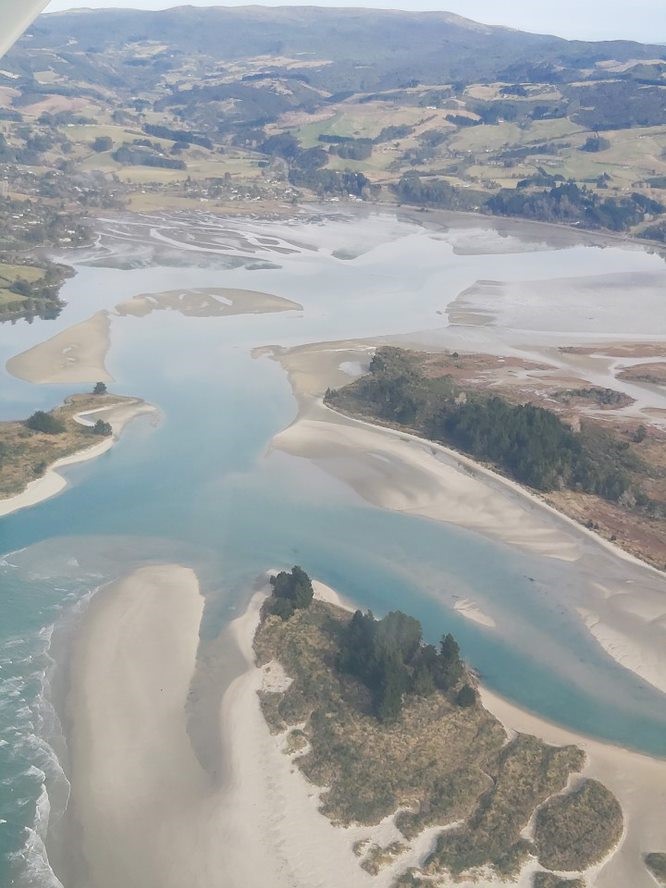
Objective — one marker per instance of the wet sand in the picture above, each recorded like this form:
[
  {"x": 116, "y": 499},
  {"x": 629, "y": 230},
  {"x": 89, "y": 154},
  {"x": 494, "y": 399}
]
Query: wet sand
[
  {"x": 144, "y": 813},
  {"x": 622, "y": 603},
  {"x": 207, "y": 303},
  {"x": 74, "y": 355}
]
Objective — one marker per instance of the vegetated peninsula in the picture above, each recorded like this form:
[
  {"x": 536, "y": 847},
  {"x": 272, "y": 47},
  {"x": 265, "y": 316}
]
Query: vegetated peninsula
[
  {"x": 390, "y": 726},
  {"x": 29, "y": 447},
  {"x": 581, "y": 464}
]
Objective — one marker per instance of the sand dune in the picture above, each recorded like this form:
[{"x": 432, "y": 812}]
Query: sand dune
[{"x": 144, "y": 813}]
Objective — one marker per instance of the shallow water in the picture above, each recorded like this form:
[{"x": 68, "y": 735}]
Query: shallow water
[{"x": 203, "y": 489}]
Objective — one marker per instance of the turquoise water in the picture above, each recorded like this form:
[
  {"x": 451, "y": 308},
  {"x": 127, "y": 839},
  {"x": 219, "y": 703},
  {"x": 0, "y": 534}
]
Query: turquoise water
[{"x": 201, "y": 488}]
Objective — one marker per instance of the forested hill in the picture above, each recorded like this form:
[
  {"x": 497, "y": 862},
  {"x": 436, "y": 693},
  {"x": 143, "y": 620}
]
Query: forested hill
[{"x": 361, "y": 49}]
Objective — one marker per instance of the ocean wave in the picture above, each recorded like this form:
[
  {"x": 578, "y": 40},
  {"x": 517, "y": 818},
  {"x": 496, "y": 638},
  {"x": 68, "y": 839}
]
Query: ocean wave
[{"x": 32, "y": 863}]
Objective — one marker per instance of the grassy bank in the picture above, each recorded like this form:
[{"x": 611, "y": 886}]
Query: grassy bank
[
  {"x": 29, "y": 447},
  {"x": 440, "y": 759}
]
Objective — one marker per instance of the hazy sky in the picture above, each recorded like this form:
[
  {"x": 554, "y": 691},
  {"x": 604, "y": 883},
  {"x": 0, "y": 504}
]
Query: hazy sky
[{"x": 585, "y": 19}]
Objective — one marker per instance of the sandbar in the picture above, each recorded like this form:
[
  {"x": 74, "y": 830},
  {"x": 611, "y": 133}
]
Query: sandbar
[
  {"x": 207, "y": 302},
  {"x": 74, "y": 355},
  {"x": 144, "y": 812}
]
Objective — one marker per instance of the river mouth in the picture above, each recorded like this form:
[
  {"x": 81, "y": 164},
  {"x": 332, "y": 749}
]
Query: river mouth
[{"x": 204, "y": 487}]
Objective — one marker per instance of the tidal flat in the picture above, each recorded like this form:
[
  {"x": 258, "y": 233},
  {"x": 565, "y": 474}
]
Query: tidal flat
[{"x": 208, "y": 488}]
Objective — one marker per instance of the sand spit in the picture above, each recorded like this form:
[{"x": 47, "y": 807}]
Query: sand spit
[
  {"x": 207, "y": 303},
  {"x": 52, "y": 482},
  {"x": 133, "y": 774},
  {"x": 74, "y": 355},
  {"x": 145, "y": 814}
]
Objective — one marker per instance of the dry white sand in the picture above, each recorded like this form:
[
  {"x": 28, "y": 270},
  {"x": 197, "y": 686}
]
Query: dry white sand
[
  {"x": 52, "y": 482},
  {"x": 144, "y": 813},
  {"x": 74, "y": 355},
  {"x": 133, "y": 774}
]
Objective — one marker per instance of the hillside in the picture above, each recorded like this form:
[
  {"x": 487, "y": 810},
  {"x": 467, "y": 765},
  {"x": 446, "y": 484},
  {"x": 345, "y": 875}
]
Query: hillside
[{"x": 269, "y": 106}]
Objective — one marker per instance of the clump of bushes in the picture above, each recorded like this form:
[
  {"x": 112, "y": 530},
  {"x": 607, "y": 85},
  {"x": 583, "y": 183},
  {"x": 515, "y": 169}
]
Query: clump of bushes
[
  {"x": 291, "y": 591},
  {"x": 575, "y": 830},
  {"x": 389, "y": 657},
  {"x": 40, "y": 421},
  {"x": 102, "y": 428}
]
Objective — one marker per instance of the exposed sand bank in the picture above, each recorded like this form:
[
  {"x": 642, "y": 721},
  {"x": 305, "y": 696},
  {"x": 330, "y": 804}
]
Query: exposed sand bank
[
  {"x": 52, "y": 482},
  {"x": 145, "y": 814},
  {"x": 133, "y": 774},
  {"x": 74, "y": 355},
  {"x": 399, "y": 471},
  {"x": 207, "y": 303}
]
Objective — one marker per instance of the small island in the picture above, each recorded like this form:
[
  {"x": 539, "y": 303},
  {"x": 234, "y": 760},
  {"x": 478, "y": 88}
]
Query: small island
[
  {"x": 28, "y": 448},
  {"x": 391, "y": 726}
]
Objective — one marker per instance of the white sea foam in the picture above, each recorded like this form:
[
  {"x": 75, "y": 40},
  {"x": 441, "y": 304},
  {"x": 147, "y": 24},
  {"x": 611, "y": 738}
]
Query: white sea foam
[{"x": 34, "y": 869}]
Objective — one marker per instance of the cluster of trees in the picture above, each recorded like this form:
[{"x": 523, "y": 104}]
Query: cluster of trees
[
  {"x": 142, "y": 155},
  {"x": 415, "y": 189},
  {"x": 102, "y": 428},
  {"x": 40, "y": 421},
  {"x": 347, "y": 146},
  {"x": 391, "y": 660},
  {"x": 291, "y": 591},
  {"x": 528, "y": 442},
  {"x": 330, "y": 182},
  {"x": 568, "y": 202},
  {"x": 595, "y": 143},
  {"x": 185, "y": 136}
]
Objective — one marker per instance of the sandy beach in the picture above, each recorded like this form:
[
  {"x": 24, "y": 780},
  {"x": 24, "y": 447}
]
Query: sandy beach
[
  {"x": 52, "y": 482},
  {"x": 145, "y": 813},
  {"x": 622, "y": 605},
  {"x": 74, "y": 355}
]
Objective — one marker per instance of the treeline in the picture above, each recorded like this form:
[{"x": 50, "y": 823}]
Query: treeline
[
  {"x": 188, "y": 138},
  {"x": 568, "y": 202},
  {"x": 431, "y": 192},
  {"x": 140, "y": 155},
  {"x": 561, "y": 202},
  {"x": 528, "y": 442}
]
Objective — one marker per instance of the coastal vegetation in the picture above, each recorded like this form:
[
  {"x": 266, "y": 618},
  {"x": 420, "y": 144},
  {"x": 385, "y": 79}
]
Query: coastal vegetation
[
  {"x": 550, "y": 880},
  {"x": 656, "y": 863},
  {"x": 557, "y": 450},
  {"x": 528, "y": 442},
  {"x": 570, "y": 829},
  {"x": 372, "y": 714},
  {"x": 29, "y": 447}
]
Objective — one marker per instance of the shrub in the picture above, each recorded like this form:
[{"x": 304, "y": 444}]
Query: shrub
[
  {"x": 40, "y": 421},
  {"x": 102, "y": 428}
]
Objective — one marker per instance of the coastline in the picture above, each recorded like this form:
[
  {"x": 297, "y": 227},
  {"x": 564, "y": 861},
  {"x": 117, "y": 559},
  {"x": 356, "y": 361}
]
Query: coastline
[
  {"x": 126, "y": 685},
  {"x": 144, "y": 812},
  {"x": 624, "y": 607},
  {"x": 52, "y": 482}
]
